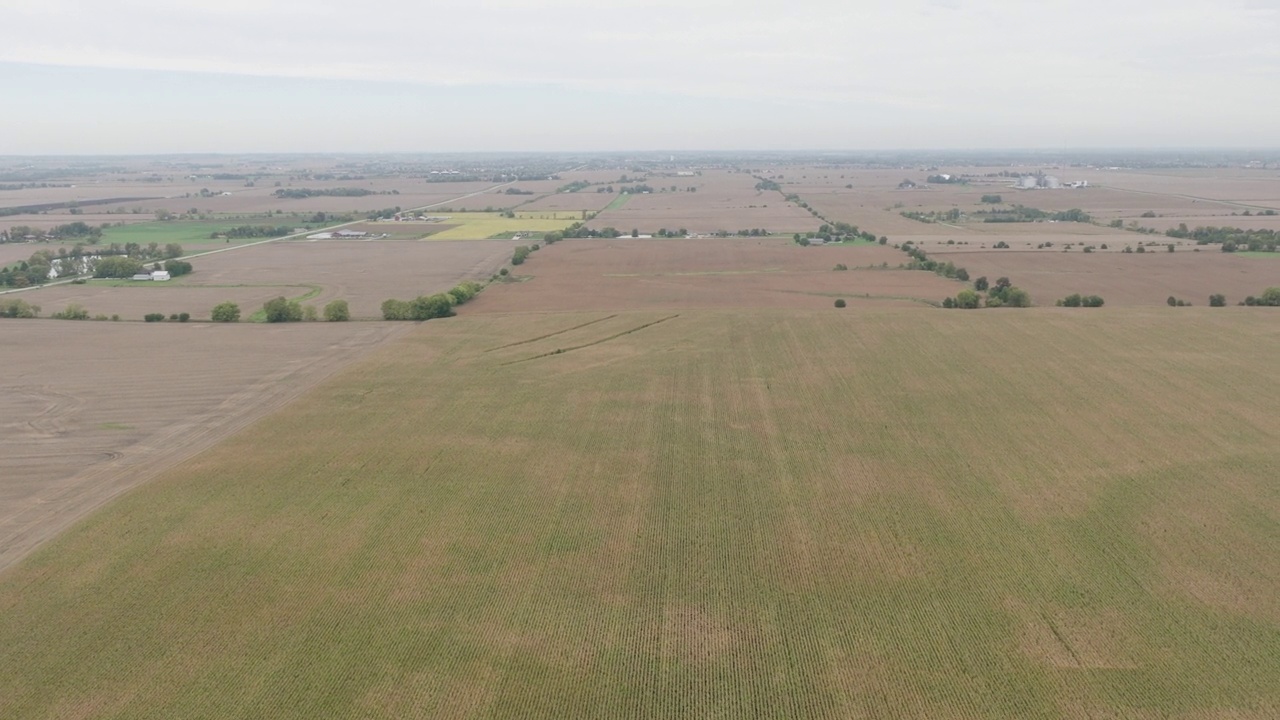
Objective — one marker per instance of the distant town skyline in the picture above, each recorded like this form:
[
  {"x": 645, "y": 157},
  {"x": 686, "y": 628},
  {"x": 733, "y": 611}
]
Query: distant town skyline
[{"x": 565, "y": 75}]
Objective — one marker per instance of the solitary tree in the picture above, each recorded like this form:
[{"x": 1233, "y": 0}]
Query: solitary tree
[
  {"x": 281, "y": 310},
  {"x": 226, "y": 312},
  {"x": 840, "y": 302},
  {"x": 967, "y": 299},
  {"x": 337, "y": 311}
]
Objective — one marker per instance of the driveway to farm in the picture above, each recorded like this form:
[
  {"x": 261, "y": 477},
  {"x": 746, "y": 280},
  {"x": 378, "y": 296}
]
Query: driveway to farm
[{"x": 278, "y": 239}]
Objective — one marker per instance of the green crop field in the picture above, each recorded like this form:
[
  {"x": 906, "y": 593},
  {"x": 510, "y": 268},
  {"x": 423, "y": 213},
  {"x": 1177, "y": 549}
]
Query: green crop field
[
  {"x": 890, "y": 513},
  {"x": 191, "y": 232}
]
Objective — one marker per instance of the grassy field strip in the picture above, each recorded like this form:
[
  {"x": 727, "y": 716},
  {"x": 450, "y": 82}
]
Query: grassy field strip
[
  {"x": 800, "y": 514},
  {"x": 560, "y": 351},
  {"x": 617, "y": 202},
  {"x": 552, "y": 334}
]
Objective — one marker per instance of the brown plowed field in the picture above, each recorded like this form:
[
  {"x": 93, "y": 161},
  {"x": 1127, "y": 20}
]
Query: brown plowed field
[
  {"x": 103, "y": 406},
  {"x": 1124, "y": 278},
  {"x": 133, "y": 301},
  {"x": 722, "y": 201},
  {"x": 587, "y": 199},
  {"x": 707, "y": 272},
  {"x": 362, "y": 273}
]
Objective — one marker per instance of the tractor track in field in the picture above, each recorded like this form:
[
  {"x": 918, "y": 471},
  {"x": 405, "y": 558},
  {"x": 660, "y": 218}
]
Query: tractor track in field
[
  {"x": 549, "y": 335},
  {"x": 562, "y": 351}
]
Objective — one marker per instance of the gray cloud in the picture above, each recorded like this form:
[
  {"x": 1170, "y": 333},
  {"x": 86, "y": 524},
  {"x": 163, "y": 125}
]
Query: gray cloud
[{"x": 991, "y": 66}]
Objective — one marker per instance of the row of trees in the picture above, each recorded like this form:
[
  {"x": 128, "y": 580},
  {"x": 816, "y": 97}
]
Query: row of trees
[
  {"x": 1076, "y": 300},
  {"x": 280, "y": 309},
  {"x": 242, "y": 232},
  {"x": 302, "y": 193},
  {"x": 120, "y": 267},
  {"x": 1022, "y": 213},
  {"x": 1230, "y": 238},
  {"x": 430, "y": 307}
]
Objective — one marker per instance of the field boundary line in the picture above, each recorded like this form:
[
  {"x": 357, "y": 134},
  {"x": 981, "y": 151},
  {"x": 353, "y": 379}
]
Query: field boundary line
[
  {"x": 561, "y": 351},
  {"x": 558, "y": 332}
]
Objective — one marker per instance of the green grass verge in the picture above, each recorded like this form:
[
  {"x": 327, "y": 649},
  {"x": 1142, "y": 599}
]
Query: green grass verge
[
  {"x": 618, "y": 202},
  {"x": 193, "y": 232}
]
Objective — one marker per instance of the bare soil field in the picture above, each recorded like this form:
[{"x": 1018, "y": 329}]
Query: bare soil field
[
  {"x": 88, "y": 410},
  {"x": 363, "y": 273},
  {"x": 134, "y": 300},
  {"x": 587, "y": 199},
  {"x": 1244, "y": 222},
  {"x": 623, "y": 273},
  {"x": 723, "y": 201},
  {"x": 1123, "y": 278}
]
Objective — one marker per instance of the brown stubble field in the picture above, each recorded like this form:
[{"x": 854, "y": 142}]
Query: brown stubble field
[
  {"x": 625, "y": 273},
  {"x": 1124, "y": 278},
  {"x": 88, "y": 410},
  {"x": 1191, "y": 273},
  {"x": 723, "y": 201}
]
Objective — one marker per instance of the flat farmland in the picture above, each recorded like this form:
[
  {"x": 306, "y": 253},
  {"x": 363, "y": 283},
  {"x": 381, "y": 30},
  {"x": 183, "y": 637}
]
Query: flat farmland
[
  {"x": 587, "y": 199},
  {"x": 624, "y": 273},
  {"x": 1244, "y": 222},
  {"x": 88, "y": 410},
  {"x": 363, "y": 273},
  {"x": 133, "y": 300},
  {"x": 722, "y": 201},
  {"x": 777, "y": 513},
  {"x": 1123, "y": 278}
]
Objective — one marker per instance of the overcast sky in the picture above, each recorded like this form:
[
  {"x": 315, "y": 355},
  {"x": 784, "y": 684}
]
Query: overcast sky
[{"x": 141, "y": 76}]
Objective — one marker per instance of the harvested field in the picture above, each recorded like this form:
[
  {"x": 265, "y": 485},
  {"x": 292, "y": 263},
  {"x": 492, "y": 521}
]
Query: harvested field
[
  {"x": 701, "y": 514},
  {"x": 722, "y": 201},
  {"x": 88, "y": 410},
  {"x": 362, "y": 273},
  {"x": 561, "y": 202},
  {"x": 624, "y": 273},
  {"x": 1123, "y": 278},
  {"x": 132, "y": 300}
]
